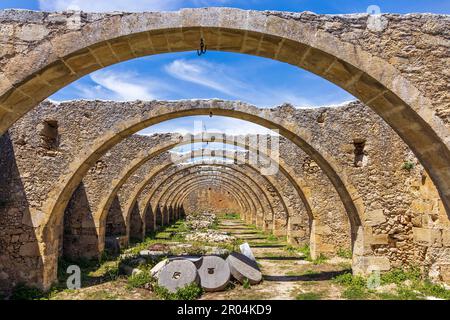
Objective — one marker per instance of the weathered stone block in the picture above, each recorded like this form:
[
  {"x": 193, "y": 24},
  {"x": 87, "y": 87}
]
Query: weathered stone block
[
  {"x": 364, "y": 265},
  {"x": 446, "y": 237},
  {"x": 378, "y": 239},
  {"x": 374, "y": 218},
  {"x": 428, "y": 237}
]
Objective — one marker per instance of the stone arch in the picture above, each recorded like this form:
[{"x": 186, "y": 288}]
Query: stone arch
[
  {"x": 71, "y": 52},
  {"x": 206, "y": 182},
  {"x": 214, "y": 200},
  {"x": 168, "y": 182},
  {"x": 149, "y": 113},
  {"x": 273, "y": 183},
  {"x": 138, "y": 161},
  {"x": 206, "y": 178},
  {"x": 137, "y": 114},
  {"x": 247, "y": 183}
]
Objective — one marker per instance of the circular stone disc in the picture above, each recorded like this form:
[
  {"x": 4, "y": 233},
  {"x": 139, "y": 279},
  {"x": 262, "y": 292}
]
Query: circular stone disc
[
  {"x": 214, "y": 273},
  {"x": 177, "y": 274},
  {"x": 242, "y": 268}
]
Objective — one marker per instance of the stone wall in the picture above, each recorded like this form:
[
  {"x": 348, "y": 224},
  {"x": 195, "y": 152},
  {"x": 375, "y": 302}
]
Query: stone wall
[{"x": 403, "y": 220}]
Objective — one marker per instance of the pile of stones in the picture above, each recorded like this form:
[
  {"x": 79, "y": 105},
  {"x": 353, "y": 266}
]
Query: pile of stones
[
  {"x": 211, "y": 272},
  {"x": 200, "y": 224},
  {"x": 202, "y": 220},
  {"x": 212, "y": 236}
]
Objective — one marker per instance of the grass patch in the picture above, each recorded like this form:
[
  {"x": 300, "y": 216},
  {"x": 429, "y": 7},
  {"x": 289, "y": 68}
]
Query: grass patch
[
  {"x": 271, "y": 237},
  {"x": 320, "y": 259},
  {"x": 309, "y": 296},
  {"x": 139, "y": 280},
  {"x": 399, "y": 276},
  {"x": 231, "y": 216},
  {"x": 344, "y": 253},
  {"x": 189, "y": 292},
  {"x": 355, "y": 293}
]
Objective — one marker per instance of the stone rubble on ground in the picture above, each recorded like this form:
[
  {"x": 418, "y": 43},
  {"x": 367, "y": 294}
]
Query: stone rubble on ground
[{"x": 210, "y": 236}]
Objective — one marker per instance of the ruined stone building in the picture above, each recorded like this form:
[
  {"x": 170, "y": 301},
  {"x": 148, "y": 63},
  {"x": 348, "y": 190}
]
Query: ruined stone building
[{"x": 371, "y": 176}]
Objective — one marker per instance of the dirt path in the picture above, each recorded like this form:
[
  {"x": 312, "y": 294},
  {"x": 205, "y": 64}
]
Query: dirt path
[{"x": 286, "y": 273}]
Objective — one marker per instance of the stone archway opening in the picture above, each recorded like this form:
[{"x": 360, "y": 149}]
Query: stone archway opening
[{"x": 390, "y": 93}]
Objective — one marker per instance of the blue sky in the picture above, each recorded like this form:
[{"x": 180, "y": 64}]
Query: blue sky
[{"x": 230, "y": 76}]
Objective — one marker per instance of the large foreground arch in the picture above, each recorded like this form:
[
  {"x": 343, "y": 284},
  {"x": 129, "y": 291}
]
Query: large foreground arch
[{"x": 54, "y": 59}]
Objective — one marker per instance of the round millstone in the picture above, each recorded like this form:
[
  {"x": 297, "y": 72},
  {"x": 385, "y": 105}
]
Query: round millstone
[
  {"x": 197, "y": 260},
  {"x": 242, "y": 267},
  {"x": 214, "y": 273},
  {"x": 178, "y": 274}
]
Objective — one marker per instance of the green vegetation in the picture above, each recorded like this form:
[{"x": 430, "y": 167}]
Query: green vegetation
[
  {"x": 271, "y": 237},
  {"x": 409, "y": 285},
  {"x": 231, "y": 216},
  {"x": 246, "y": 284},
  {"x": 139, "y": 280},
  {"x": 344, "y": 253},
  {"x": 23, "y": 292},
  {"x": 309, "y": 296},
  {"x": 408, "y": 165},
  {"x": 189, "y": 292},
  {"x": 320, "y": 259}
]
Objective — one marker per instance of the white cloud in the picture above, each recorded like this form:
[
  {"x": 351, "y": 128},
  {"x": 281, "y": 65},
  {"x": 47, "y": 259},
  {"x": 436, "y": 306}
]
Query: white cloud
[
  {"x": 122, "y": 86},
  {"x": 222, "y": 79},
  {"x": 123, "y": 5}
]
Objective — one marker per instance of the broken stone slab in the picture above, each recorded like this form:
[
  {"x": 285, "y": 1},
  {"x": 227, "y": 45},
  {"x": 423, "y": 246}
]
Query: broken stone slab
[
  {"x": 197, "y": 260},
  {"x": 178, "y": 274},
  {"x": 242, "y": 267},
  {"x": 214, "y": 273},
  {"x": 155, "y": 271},
  {"x": 247, "y": 251}
]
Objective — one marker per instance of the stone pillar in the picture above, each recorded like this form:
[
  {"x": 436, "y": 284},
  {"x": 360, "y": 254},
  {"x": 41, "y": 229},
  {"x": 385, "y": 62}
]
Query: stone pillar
[
  {"x": 279, "y": 227},
  {"x": 364, "y": 262}
]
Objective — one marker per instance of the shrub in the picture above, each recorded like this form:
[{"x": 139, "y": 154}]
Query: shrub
[
  {"x": 189, "y": 292},
  {"x": 398, "y": 276},
  {"x": 320, "y": 259},
  {"x": 139, "y": 280},
  {"x": 24, "y": 292}
]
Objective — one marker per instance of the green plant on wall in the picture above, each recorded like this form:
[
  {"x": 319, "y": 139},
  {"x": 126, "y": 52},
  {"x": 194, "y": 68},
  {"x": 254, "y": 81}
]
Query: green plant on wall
[{"x": 408, "y": 165}]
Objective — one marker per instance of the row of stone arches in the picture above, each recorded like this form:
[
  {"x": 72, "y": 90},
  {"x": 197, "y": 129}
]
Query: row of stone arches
[{"x": 378, "y": 80}]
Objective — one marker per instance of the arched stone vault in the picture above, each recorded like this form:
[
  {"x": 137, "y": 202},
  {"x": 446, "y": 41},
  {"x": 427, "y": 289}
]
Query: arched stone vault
[
  {"x": 257, "y": 191},
  {"x": 57, "y": 54},
  {"x": 139, "y": 160},
  {"x": 192, "y": 191},
  {"x": 169, "y": 174},
  {"x": 220, "y": 175},
  {"x": 275, "y": 184},
  {"x": 98, "y": 118}
]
